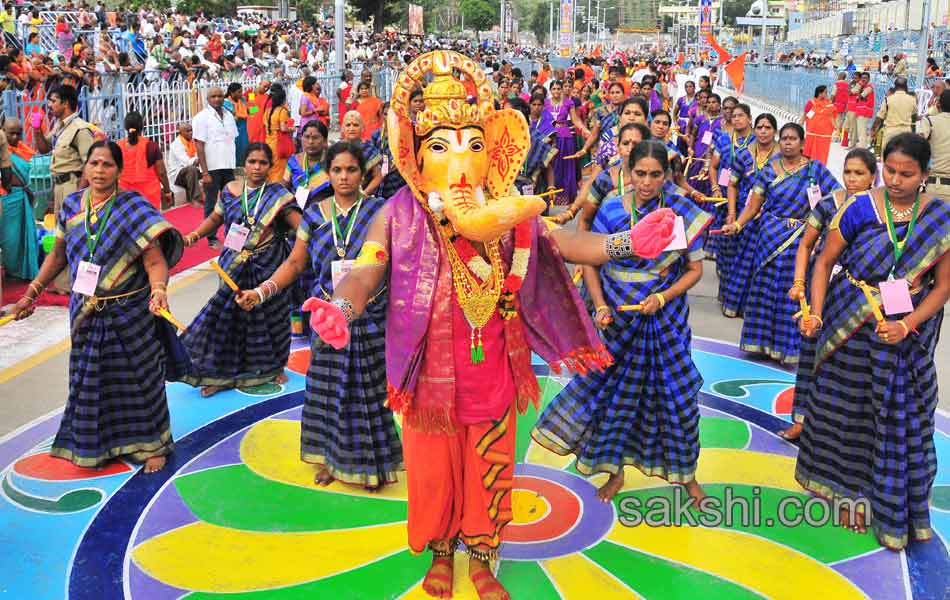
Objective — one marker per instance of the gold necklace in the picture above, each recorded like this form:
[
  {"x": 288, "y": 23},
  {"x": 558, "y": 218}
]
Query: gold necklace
[{"x": 478, "y": 300}]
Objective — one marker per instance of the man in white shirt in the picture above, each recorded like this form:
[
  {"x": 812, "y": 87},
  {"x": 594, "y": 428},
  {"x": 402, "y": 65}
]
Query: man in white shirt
[
  {"x": 181, "y": 160},
  {"x": 215, "y": 132}
]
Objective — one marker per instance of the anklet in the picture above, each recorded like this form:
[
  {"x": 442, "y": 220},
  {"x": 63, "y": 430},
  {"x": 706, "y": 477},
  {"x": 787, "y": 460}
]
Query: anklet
[
  {"x": 436, "y": 553},
  {"x": 482, "y": 555}
]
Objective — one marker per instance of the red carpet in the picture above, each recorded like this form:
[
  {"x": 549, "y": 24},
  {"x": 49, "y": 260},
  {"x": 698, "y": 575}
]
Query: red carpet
[{"x": 184, "y": 218}]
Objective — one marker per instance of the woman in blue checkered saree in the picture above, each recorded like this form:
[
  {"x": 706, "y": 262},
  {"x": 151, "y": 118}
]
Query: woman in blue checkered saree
[
  {"x": 118, "y": 250},
  {"x": 642, "y": 410},
  {"x": 229, "y": 347},
  {"x": 734, "y": 257},
  {"x": 869, "y": 436},
  {"x": 784, "y": 192}
]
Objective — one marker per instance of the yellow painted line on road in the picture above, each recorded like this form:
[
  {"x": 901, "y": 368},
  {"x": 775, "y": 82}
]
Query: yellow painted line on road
[{"x": 50, "y": 352}]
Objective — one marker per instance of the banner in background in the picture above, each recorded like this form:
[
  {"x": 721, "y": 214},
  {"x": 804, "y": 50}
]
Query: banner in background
[
  {"x": 415, "y": 20},
  {"x": 705, "y": 18},
  {"x": 567, "y": 28}
]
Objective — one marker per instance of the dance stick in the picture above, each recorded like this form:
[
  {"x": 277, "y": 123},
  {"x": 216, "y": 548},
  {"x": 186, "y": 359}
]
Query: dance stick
[
  {"x": 715, "y": 231},
  {"x": 714, "y": 199},
  {"x": 806, "y": 312},
  {"x": 578, "y": 274},
  {"x": 551, "y": 192},
  {"x": 875, "y": 307},
  {"x": 629, "y": 307},
  {"x": 7, "y": 319},
  {"x": 224, "y": 276},
  {"x": 171, "y": 319}
]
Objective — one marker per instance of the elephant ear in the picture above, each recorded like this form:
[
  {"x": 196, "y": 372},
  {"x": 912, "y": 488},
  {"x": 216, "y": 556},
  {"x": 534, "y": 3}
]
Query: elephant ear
[
  {"x": 401, "y": 145},
  {"x": 508, "y": 140}
]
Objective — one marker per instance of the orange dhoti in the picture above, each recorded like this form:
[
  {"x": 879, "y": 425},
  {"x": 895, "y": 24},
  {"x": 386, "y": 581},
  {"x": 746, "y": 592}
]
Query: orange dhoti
[{"x": 460, "y": 483}]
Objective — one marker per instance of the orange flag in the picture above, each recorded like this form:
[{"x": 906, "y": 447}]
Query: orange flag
[
  {"x": 736, "y": 71},
  {"x": 680, "y": 59},
  {"x": 724, "y": 56}
]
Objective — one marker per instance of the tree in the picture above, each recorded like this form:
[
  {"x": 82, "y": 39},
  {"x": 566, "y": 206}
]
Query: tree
[
  {"x": 540, "y": 21},
  {"x": 480, "y": 15}
]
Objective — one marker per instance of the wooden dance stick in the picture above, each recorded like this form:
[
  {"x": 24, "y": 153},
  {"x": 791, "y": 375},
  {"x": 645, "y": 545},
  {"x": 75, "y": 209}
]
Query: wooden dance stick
[
  {"x": 578, "y": 274},
  {"x": 629, "y": 307},
  {"x": 224, "y": 276},
  {"x": 875, "y": 307},
  {"x": 171, "y": 319},
  {"x": 715, "y": 231},
  {"x": 7, "y": 319},
  {"x": 715, "y": 199},
  {"x": 551, "y": 192}
]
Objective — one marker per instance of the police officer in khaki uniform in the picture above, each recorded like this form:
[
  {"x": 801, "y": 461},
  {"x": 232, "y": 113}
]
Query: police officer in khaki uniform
[
  {"x": 68, "y": 144},
  {"x": 936, "y": 130},
  {"x": 897, "y": 113}
]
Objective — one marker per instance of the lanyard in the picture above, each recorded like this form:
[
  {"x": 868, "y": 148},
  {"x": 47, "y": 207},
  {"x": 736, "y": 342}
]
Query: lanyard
[
  {"x": 732, "y": 146},
  {"x": 899, "y": 245},
  {"x": 634, "y": 210},
  {"x": 247, "y": 208},
  {"x": 338, "y": 232},
  {"x": 92, "y": 239},
  {"x": 305, "y": 181}
]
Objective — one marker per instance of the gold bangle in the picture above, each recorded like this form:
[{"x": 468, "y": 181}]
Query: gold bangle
[
  {"x": 660, "y": 298},
  {"x": 599, "y": 308},
  {"x": 820, "y": 322},
  {"x": 798, "y": 280},
  {"x": 38, "y": 289},
  {"x": 905, "y": 326}
]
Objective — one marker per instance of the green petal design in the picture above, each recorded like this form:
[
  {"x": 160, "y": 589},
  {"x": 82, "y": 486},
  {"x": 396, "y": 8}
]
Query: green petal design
[
  {"x": 656, "y": 578},
  {"x": 388, "y": 577},
  {"x": 526, "y": 579},
  {"x": 735, "y": 388},
  {"x": 234, "y": 496},
  {"x": 720, "y": 432}
]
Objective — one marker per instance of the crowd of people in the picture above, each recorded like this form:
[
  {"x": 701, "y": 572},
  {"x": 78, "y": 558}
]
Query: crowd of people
[{"x": 843, "y": 281}]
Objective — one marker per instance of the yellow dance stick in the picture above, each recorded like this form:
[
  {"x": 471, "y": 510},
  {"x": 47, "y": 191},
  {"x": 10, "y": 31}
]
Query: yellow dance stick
[
  {"x": 171, "y": 319},
  {"x": 224, "y": 276},
  {"x": 551, "y": 192},
  {"x": 714, "y": 199},
  {"x": 629, "y": 307},
  {"x": 875, "y": 307},
  {"x": 806, "y": 312},
  {"x": 7, "y": 319},
  {"x": 578, "y": 274}
]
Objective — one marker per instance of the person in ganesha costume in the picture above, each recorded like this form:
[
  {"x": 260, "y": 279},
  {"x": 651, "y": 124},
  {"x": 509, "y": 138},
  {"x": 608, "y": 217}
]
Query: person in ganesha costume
[{"x": 476, "y": 281}]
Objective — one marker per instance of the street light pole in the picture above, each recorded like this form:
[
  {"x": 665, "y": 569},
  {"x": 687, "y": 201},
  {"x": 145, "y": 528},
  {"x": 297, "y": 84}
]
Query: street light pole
[
  {"x": 924, "y": 44},
  {"x": 340, "y": 26},
  {"x": 588, "y": 15},
  {"x": 551, "y": 24}
]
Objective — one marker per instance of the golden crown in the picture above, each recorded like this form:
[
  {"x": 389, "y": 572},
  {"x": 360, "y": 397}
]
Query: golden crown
[{"x": 448, "y": 102}]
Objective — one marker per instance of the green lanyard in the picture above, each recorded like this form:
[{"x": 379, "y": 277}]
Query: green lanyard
[
  {"x": 899, "y": 245},
  {"x": 633, "y": 209},
  {"x": 247, "y": 208},
  {"x": 92, "y": 239},
  {"x": 338, "y": 233},
  {"x": 620, "y": 182},
  {"x": 732, "y": 148}
]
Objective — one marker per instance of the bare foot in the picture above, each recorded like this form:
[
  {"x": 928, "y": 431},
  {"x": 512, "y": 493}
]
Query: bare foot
[
  {"x": 792, "y": 433},
  {"x": 487, "y": 587},
  {"x": 607, "y": 491},
  {"x": 323, "y": 477},
  {"x": 281, "y": 379},
  {"x": 154, "y": 464},
  {"x": 438, "y": 580},
  {"x": 211, "y": 390},
  {"x": 855, "y": 524},
  {"x": 696, "y": 492}
]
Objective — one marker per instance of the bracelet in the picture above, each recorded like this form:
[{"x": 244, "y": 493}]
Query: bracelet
[
  {"x": 660, "y": 298},
  {"x": 271, "y": 287},
  {"x": 346, "y": 307},
  {"x": 158, "y": 291},
  {"x": 619, "y": 245},
  {"x": 820, "y": 322},
  {"x": 800, "y": 281},
  {"x": 32, "y": 300},
  {"x": 38, "y": 289},
  {"x": 259, "y": 294},
  {"x": 907, "y": 329},
  {"x": 600, "y": 308}
]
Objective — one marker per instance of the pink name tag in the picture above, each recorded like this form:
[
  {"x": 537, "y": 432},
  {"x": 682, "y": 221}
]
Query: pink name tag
[
  {"x": 527, "y": 189},
  {"x": 814, "y": 195},
  {"x": 385, "y": 166},
  {"x": 87, "y": 278},
  {"x": 302, "y": 194},
  {"x": 707, "y": 137},
  {"x": 809, "y": 114},
  {"x": 895, "y": 295},
  {"x": 340, "y": 269},
  {"x": 725, "y": 175},
  {"x": 679, "y": 236},
  {"x": 237, "y": 237}
]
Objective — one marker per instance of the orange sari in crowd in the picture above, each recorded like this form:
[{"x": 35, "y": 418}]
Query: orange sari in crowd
[
  {"x": 370, "y": 108},
  {"x": 818, "y": 128}
]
